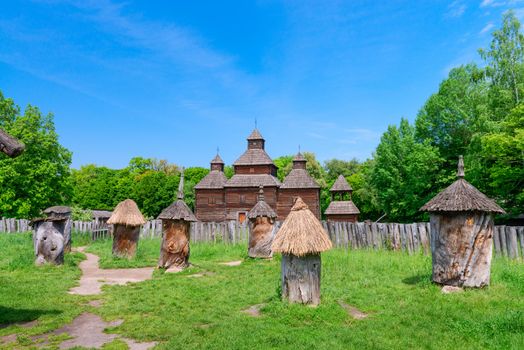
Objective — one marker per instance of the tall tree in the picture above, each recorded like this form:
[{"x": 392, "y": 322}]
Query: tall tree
[{"x": 40, "y": 177}]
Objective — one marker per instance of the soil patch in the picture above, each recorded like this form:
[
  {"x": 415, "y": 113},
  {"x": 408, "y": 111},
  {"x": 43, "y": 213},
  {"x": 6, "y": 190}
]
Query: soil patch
[
  {"x": 95, "y": 303},
  {"x": 353, "y": 311},
  {"x": 254, "y": 310},
  {"x": 93, "y": 277},
  {"x": 451, "y": 289},
  {"x": 231, "y": 263}
]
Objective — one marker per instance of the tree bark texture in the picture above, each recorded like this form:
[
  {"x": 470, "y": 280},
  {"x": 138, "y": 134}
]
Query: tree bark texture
[
  {"x": 125, "y": 240},
  {"x": 48, "y": 243},
  {"x": 461, "y": 248},
  {"x": 260, "y": 238},
  {"x": 301, "y": 278},
  {"x": 174, "y": 251},
  {"x": 9, "y": 145}
]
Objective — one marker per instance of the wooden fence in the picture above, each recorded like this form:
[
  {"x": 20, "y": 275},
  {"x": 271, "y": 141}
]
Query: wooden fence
[{"x": 507, "y": 240}]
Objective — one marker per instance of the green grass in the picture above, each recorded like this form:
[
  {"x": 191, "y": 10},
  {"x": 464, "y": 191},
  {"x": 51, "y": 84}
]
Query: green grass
[{"x": 405, "y": 309}]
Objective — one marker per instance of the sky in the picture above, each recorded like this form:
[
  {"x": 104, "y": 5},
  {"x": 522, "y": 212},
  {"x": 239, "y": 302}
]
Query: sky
[{"x": 178, "y": 79}]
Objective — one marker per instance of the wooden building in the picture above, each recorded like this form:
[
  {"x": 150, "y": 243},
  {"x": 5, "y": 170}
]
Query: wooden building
[
  {"x": 341, "y": 207},
  {"x": 221, "y": 199}
]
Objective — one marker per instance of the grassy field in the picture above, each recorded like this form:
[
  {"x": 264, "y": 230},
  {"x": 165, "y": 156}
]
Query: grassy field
[{"x": 405, "y": 309}]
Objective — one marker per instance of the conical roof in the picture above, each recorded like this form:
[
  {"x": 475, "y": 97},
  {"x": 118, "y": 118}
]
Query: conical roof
[
  {"x": 127, "y": 213},
  {"x": 217, "y": 160},
  {"x": 255, "y": 135},
  {"x": 301, "y": 233},
  {"x": 261, "y": 209},
  {"x": 461, "y": 196},
  {"x": 179, "y": 209},
  {"x": 341, "y": 185}
]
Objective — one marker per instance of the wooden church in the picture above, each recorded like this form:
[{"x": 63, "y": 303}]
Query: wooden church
[{"x": 220, "y": 199}]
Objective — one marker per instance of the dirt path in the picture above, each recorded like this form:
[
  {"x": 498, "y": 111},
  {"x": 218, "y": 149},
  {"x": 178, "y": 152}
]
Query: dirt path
[{"x": 93, "y": 277}]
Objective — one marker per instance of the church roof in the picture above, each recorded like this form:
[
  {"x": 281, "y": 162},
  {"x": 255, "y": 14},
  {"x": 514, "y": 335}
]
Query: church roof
[
  {"x": 214, "y": 180},
  {"x": 253, "y": 180},
  {"x": 254, "y": 156},
  {"x": 255, "y": 135},
  {"x": 299, "y": 178},
  {"x": 217, "y": 160}
]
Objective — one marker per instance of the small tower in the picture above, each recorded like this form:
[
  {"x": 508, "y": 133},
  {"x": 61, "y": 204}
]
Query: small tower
[
  {"x": 217, "y": 163},
  {"x": 262, "y": 228},
  {"x": 126, "y": 220},
  {"x": 461, "y": 234},
  {"x": 341, "y": 207},
  {"x": 63, "y": 223},
  {"x": 301, "y": 239},
  {"x": 176, "y": 220},
  {"x": 209, "y": 193}
]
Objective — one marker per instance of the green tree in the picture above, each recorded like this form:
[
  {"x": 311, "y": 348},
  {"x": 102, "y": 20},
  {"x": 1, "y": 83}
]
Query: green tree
[
  {"x": 404, "y": 173},
  {"x": 336, "y": 167},
  {"x": 40, "y": 177}
]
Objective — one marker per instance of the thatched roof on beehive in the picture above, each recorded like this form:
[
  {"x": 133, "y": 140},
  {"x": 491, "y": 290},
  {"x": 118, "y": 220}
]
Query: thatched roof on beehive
[
  {"x": 301, "y": 233},
  {"x": 342, "y": 208},
  {"x": 58, "y": 209},
  {"x": 127, "y": 213},
  {"x": 461, "y": 196},
  {"x": 179, "y": 209},
  {"x": 261, "y": 209},
  {"x": 341, "y": 185}
]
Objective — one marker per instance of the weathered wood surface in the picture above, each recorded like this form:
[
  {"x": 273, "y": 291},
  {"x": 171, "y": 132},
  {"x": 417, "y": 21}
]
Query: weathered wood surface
[
  {"x": 48, "y": 243},
  {"x": 174, "y": 251},
  {"x": 301, "y": 278},
  {"x": 461, "y": 249},
  {"x": 125, "y": 240},
  {"x": 260, "y": 238},
  {"x": 351, "y": 235},
  {"x": 9, "y": 145}
]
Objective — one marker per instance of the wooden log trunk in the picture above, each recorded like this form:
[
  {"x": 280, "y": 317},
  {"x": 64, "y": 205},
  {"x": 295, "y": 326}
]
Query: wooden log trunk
[
  {"x": 125, "y": 240},
  {"x": 461, "y": 248},
  {"x": 48, "y": 243},
  {"x": 9, "y": 145},
  {"x": 301, "y": 278},
  {"x": 260, "y": 238},
  {"x": 174, "y": 251}
]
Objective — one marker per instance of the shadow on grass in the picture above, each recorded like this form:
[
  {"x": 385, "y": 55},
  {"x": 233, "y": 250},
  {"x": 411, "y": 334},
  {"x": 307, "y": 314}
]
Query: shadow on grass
[
  {"x": 417, "y": 279},
  {"x": 10, "y": 316}
]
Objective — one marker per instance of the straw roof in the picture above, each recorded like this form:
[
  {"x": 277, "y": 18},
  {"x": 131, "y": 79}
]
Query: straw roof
[
  {"x": 261, "y": 209},
  {"x": 58, "y": 209},
  {"x": 461, "y": 196},
  {"x": 252, "y": 180},
  {"x": 127, "y": 213},
  {"x": 216, "y": 179},
  {"x": 341, "y": 185},
  {"x": 342, "y": 208},
  {"x": 301, "y": 233},
  {"x": 179, "y": 209}
]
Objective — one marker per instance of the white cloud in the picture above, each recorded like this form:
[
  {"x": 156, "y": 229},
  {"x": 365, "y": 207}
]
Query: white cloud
[
  {"x": 487, "y": 28},
  {"x": 456, "y": 9}
]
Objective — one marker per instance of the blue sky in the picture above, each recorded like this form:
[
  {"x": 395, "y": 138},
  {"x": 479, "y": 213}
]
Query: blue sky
[{"x": 176, "y": 79}]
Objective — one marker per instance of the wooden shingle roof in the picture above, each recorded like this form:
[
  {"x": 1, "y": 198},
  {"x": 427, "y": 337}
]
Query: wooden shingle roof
[
  {"x": 255, "y": 135},
  {"x": 341, "y": 185},
  {"x": 261, "y": 209},
  {"x": 177, "y": 211},
  {"x": 216, "y": 179},
  {"x": 342, "y": 208},
  {"x": 256, "y": 156},
  {"x": 253, "y": 180},
  {"x": 217, "y": 160},
  {"x": 299, "y": 178},
  {"x": 461, "y": 196},
  {"x": 58, "y": 209}
]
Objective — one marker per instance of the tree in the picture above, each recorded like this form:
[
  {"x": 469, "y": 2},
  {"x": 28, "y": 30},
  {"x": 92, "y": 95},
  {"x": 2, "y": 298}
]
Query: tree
[
  {"x": 40, "y": 177},
  {"x": 336, "y": 167},
  {"x": 404, "y": 173}
]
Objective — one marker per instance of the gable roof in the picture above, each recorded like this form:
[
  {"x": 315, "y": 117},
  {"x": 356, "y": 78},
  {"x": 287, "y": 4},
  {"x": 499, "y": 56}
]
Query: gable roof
[{"x": 341, "y": 185}]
